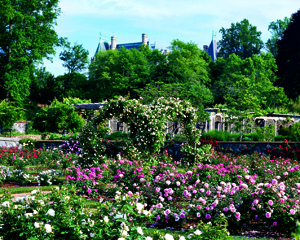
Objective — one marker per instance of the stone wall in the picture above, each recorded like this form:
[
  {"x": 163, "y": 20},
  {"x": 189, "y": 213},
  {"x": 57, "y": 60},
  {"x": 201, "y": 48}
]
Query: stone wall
[
  {"x": 20, "y": 126},
  {"x": 10, "y": 142}
]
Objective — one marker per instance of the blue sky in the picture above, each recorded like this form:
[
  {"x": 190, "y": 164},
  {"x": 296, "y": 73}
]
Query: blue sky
[{"x": 82, "y": 21}]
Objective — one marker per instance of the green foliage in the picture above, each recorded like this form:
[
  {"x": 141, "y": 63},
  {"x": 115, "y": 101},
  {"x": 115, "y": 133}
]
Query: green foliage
[
  {"x": 277, "y": 30},
  {"x": 117, "y": 136},
  {"x": 182, "y": 73},
  {"x": 27, "y": 35},
  {"x": 59, "y": 117},
  {"x": 74, "y": 85},
  {"x": 295, "y": 131},
  {"x": 296, "y": 234},
  {"x": 288, "y": 58},
  {"x": 218, "y": 135},
  {"x": 44, "y": 87},
  {"x": 242, "y": 39},
  {"x": 90, "y": 141},
  {"x": 75, "y": 57},
  {"x": 247, "y": 84},
  {"x": 28, "y": 143},
  {"x": 9, "y": 114},
  {"x": 266, "y": 134},
  {"x": 217, "y": 230},
  {"x": 117, "y": 72}
]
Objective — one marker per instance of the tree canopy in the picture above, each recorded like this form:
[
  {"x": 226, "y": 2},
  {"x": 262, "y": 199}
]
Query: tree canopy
[
  {"x": 75, "y": 58},
  {"x": 27, "y": 35},
  {"x": 288, "y": 58},
  {"x": 248, "y": 83},
  {"x": 277, "y": 30},
  {"x": 242, "y": 39}
]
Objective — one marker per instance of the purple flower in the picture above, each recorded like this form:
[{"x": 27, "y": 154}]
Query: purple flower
[
  {"x": 270, "y": 202},
  {"x": 268, "y": 214},
  {"x": 207, "y": 216},
  {"x": 274, "y": 223},
  {"x": 167, "y": 212}
]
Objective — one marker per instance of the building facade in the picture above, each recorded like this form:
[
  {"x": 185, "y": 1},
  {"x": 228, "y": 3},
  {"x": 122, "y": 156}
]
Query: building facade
[{"x": 104, "y": 44}]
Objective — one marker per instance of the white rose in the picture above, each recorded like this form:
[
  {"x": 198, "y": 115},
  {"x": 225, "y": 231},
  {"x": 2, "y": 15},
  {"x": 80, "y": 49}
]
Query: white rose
[
  {"x": 51, "y": 212},
  {"x": 198, "y": 232},
  {"x": 28, "y": 215},
  {"x": 124, "y": 233},
  {"x": 139, "y": 207},
  {"x": 168, "y": 237},
  {"x": 5, "y": 204},
  {"x": 149, "y": 238},
  {"x": 139, "y": 230},
  {"x": 106, "y": 219},
  {"x": 34, "y": 192},
  {"x": 48, "y": 228}
]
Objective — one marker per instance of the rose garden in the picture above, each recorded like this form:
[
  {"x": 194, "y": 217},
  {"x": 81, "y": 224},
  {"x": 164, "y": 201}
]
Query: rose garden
[{"x": 80, "y": 192}]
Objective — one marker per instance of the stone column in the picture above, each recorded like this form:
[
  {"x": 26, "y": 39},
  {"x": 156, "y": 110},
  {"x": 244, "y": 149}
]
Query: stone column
[
  {"x": 144, "y": 38},
  {"x": 113, "y": 43}
]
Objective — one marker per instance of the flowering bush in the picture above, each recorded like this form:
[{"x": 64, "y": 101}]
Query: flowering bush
[
  {"x": 47, "y": 178},
  {"x": 61, "y": 215},
  {"x": 242, "y": 188},
  {"x": 3, "y": 173}
]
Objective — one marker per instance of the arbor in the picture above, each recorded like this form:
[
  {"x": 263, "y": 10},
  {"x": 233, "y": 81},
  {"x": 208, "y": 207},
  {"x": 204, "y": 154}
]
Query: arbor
[
  {"x": 75, "y": 57},
  {"x": 242, "y": 39},
  {"x": 288, "y": 58},
  {"x": 26, "y": 36},
  {"x": 277, "y": 29}
]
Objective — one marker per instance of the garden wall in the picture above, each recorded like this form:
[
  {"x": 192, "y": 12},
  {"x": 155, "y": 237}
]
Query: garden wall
[
  {"x": 50, "y": 143},
  {"x": 234, "y": 147},
  {"x": 10, "y": 142}
]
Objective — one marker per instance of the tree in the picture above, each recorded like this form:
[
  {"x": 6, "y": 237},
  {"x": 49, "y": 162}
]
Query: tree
[
  {"x": 44, "y": 87},
  {"x": 242, "y": 39},
  {"x": 277, "y": 29},
  {"x": 288, "y": 58},
  {"x": 183, "y": 73},
  {"x": 118, "y": 72},
  {"x": 27, "y": 35},
  {"x": 187, "y": 63},
  {"x": 75, "y": 57},
  {"x": 73, "y": 85},
  {"x": 248, "y": 84}
]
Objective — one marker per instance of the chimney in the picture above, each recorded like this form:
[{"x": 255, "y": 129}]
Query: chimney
[
  {"x": 113, "y": 43},
  {"x": 144, "y": 39}
]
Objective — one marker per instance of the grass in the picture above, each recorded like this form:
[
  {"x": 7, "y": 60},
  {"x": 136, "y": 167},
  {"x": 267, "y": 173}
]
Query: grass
[
  {"x": 150, "y": 232},
  {"x": 26, "y": 189}
]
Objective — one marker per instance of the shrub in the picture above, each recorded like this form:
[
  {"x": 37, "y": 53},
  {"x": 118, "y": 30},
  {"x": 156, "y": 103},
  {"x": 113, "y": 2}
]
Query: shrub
[
  {"x": 28, "y": 143},
  {"x": 9, "y": 114},
  {"x": 59, "y": 117}
]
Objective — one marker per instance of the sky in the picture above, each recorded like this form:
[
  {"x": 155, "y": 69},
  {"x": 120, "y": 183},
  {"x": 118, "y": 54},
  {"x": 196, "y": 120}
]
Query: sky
[{"x": 82, "y": 21}]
